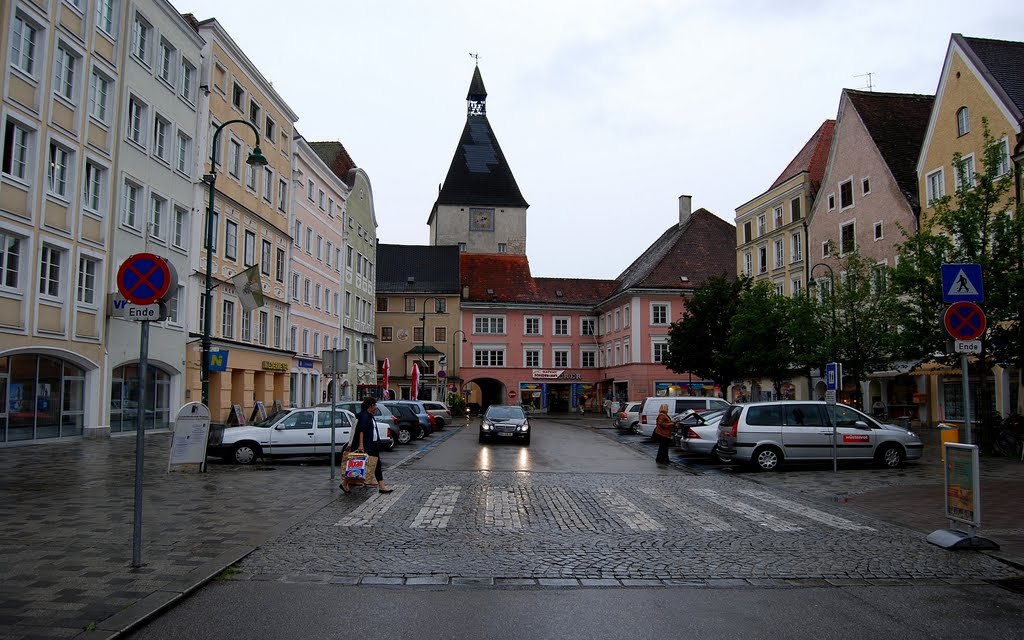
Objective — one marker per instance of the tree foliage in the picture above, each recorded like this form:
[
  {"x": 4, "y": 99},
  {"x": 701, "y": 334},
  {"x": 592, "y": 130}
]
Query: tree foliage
[
  {"x": 759, "y": 341},
  {"x": 699, "y": 341}
]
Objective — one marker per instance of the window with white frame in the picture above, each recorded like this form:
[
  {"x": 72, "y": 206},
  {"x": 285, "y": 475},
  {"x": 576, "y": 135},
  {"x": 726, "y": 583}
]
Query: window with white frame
[
  {"x": 847, "y": 238},
  {"x": 246, "y": 325},
  {"x": 762, "y": 225},
  {"x": 659, "y": 313},
  {"x": 279, "y": 260},
  {"x": 250, "y": 177},
  {"x": 167, "y": 62},
  {"x": 796, "y": 286},
  {"x": 1003, "y": 149},
  {"x": 264, "y": 323},
  {"x": 183, "y": 154},
  {"x": 615, "y": 323},
  {"x": 777, "y": 214},
  {"x": 157, "y": 216},
  {"x": 310, "y": 190},
  {"x": 328, "y": 253},
  {"x": 130, "y": 204},
  {"x": 488, "y": 357},
  {"x": 254, "y": 113},
  {"x": 587, "y": 326},
  {"x": 625, "y": 352},
  {"x": 531, "y": 357},
  {"x": 318, "y": 296},
  {"x": 10, "y": 261},
  {"x": 234, "y": 158},
  {"x": 94, "y": 187},
  {"x": 161, "y": 129},
  {"x": 846, "y": 194},
  {"x": 227, "y": 321},
  {"x": 295, "y": 286},
  {"x": 878, "y": 281},
  {"x": 826, "y": 249},
  {"x": 831, "y": 201},
  {"x": 179, "y": 237},
  {"x": 57, "y": 170},
  {"x": 24, "y": 42},
  {"x": 277, "y": 332},
  {"x": 174, "y": 307},
  {"x": 142, "y": 33},
  {"x": 188, "y": 82},
  {"x": 963, "y": 121},
  {"x": 265, "y": 261},
  {"x": 794, "y": 210},
  {"x": 307, "y": 291},
  {"x": 65, "y": 78},
  {"x": 532, "y": 325},
  {"x": 237, "y": 96},
  {"x": 659, "y": 351},
  {"x": 935, "y": 186},
  {"x": 560, "y": 327},
  {"x": 293, "y": 334},
  {"x": 268, "y": 184},
  {"x": 319, "y": 247},
  {"x": 762, "y": 259},
  {"x": 625, "y": 316},
  {"x": 779, "y": 254},
  {"x": 51, "y": 260},
  {"x": 249, "y": 255},
  {"x": 878, "y": 230},
  {"x": 779, "y": 288},
  {"x": 105, "y": 16},
  {"x": 17, "y": 149},
  {"x": 282, "y": 195},
  {"x": 489, "y": 325},
  {"x": 270, "y": 131},
  {"x": 230, "y": 240},
  {"x": 796, "y": 247},
  {"x": 748, "y": 263},
  {"x": 588, "y": 358},
  {"x": 559, "y": 357},
  {"x": 136, "y": 130},
  {"x": 99, "y": 95},
  {"x": 865, "y": 186},
  {"x": 964, "y": 172},
  {"x": 87, "y": 270}
]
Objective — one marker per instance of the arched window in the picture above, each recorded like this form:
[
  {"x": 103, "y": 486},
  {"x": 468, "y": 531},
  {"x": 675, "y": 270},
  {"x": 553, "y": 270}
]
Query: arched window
[{"x": 963, "y": 121}]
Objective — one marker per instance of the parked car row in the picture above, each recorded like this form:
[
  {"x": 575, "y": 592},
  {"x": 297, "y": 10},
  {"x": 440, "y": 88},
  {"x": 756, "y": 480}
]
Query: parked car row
[
  {"x": 306, "y": 432},
  {"x": 767, "y": 434}
]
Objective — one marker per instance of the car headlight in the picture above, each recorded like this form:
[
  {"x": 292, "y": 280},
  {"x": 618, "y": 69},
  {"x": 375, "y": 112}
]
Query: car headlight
[
  {"x": 487, "y": 426},
  {"x": 524, "y": 427}
]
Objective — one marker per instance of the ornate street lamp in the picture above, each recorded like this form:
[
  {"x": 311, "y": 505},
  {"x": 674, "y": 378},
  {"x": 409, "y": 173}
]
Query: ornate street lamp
[{"x": 256, "y": 159}]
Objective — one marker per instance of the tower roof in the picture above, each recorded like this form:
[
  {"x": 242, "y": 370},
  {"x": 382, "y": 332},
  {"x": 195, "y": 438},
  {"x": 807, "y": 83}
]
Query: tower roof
[{"x": 479, "y": 174}]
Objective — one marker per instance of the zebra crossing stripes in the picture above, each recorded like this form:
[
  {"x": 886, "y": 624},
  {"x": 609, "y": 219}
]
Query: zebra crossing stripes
[
  {"x": 749, "y": 512},
  {"x": 503, "y": 507},
  {"x": 439, "y": 508},
  {"x": 807, "y": 512},
  {"x": 373, "y": 510},
  {"x": 688, "y": 511},
  {"x": 627, "y": 512}
]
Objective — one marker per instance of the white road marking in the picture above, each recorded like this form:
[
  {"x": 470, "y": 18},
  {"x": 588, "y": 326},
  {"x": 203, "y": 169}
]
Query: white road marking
[
  {"x": 373, "y": 509},
  {"x": 439, "y": 508},
  {"x": 805, "y": 511},
  {"x": 502, "y": 508},
  {"x": 747, "y": 511},
  {"x": 627, "y": 512},
  {"x": 688, "y": 511}
]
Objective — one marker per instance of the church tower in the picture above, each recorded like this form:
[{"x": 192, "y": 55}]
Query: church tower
[{"x": 479, "y": 207}]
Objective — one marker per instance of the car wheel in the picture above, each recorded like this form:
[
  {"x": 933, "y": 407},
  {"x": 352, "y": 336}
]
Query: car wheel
[
  {"x": 715, "y": 456},
  {"x": 635, "y": 428},
  {"x": 245, "y": 453},
  {"x": 404, "y": 436},
  {"x": 767, "y": 459},
  {"x": 890, "y": 456}
]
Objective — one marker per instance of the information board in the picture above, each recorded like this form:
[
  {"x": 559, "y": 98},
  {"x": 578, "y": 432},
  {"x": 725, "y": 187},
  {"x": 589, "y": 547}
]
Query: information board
[
  {"x": 190, "y": 436},
  {"x": 963, "y": 492}
]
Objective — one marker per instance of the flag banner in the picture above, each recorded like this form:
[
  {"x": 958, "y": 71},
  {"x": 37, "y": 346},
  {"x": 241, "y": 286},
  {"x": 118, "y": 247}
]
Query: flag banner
[
  {"x": 386, "y": 370},
  {"x": 415, "y": 381},
  {"x": 249, "y": 288}
]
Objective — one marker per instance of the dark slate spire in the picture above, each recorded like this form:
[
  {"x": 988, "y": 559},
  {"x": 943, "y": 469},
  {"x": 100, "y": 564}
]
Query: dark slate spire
[
  {"x": 477, "y": 97},
  {"x": 479, "y": 174}
]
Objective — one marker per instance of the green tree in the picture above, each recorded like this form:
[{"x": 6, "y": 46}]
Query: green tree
[
  {"x": 699, "y": 341},
  {"x": 759, "y": 340},
  {"x": 981, "y": 223}
]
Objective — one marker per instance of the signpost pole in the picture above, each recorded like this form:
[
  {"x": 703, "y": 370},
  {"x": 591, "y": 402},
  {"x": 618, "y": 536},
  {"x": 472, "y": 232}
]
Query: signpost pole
[
  {"x": 967, "y": 398},
  {"x": 140, "y": 445}
]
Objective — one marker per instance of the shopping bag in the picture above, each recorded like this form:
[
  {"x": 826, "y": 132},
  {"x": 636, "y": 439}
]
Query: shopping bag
[{"x": 355, "y": 466}]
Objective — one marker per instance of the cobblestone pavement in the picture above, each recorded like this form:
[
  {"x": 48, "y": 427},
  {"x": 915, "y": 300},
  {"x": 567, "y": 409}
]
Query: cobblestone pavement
[
  {"x": 452, "y": 526},
  {"x": 66, "y": 529}
]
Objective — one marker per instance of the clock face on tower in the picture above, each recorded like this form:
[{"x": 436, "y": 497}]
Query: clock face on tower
[{"x": 481, "y": 219}]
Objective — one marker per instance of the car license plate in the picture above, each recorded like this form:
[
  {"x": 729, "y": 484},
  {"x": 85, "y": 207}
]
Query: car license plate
[{"x": 501, "y": 433}]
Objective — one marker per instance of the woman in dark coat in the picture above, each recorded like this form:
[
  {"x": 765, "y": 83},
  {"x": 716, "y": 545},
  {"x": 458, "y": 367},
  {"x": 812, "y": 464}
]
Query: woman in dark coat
[
  {"x": 663, "y": 434},
  {"x": 365, "y": 441}
]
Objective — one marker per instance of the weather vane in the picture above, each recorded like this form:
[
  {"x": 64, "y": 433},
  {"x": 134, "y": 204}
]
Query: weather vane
[{"x": 475, "y": 56}]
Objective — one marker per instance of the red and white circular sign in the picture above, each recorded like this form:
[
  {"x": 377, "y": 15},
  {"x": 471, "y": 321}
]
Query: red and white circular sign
[{"x": 511, "y": 394}]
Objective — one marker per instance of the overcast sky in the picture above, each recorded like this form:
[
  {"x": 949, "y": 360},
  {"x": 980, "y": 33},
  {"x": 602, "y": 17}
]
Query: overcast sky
[{"x": 605, "y": 111}]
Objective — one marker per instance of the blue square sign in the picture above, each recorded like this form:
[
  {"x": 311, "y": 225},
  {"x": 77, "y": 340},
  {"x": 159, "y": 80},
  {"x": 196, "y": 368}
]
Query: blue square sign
[{"x": 962, "y": 283}]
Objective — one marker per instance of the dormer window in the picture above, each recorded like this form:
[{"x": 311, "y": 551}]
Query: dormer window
[{"x": 963, "y": 121}]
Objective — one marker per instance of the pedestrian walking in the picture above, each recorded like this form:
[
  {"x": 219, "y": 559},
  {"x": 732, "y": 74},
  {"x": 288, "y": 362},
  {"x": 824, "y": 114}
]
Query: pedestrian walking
[
  {"x": 365, "y": 441},
  {"x": 663, "y": 434}
]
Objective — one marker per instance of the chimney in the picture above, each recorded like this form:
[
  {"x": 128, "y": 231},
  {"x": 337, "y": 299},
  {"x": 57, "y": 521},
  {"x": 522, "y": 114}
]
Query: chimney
[{"x": 684, "y": 209}]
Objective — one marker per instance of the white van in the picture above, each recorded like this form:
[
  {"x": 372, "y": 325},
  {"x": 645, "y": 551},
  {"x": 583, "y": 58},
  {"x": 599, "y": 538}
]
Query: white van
[{"x": 676, "y": 405}]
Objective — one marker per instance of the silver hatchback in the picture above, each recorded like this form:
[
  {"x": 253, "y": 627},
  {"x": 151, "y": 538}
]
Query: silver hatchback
[{"x": 766, "y": 434}]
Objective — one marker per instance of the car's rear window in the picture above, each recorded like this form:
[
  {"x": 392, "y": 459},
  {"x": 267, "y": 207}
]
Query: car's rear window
[{"x": 732, "y": 414}]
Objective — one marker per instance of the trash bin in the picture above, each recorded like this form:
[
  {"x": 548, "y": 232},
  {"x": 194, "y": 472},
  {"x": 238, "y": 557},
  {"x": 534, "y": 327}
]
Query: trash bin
[{"x": 947, "y": 433}]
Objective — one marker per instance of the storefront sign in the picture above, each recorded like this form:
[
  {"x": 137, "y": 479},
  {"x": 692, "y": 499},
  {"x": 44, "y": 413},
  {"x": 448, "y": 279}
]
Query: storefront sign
[
  {"x": 305, "y": 364},
  {"x": 275, "y": 366},
  {"x": 962, "y": 483},
  {"x": 555, "y": 374},
  {"x": 218, "y": 361}
]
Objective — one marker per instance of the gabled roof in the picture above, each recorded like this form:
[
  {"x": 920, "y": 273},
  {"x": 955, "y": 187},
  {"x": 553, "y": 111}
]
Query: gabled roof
[
  {"x": 507, "y": 279},
  {"x": 811, "y": 159},
  {"x": 336, "y": 157},
  {"x": 479, "y": 174},
  {"x": 432, "y": 269},
  {"x": 1002, "y": 63},
  {"x": 702, "y": 246},
  {"x": 897, "y": 124}
]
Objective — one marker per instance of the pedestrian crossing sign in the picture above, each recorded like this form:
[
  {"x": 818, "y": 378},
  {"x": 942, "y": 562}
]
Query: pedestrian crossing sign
[{"x": 962, "y": 283}]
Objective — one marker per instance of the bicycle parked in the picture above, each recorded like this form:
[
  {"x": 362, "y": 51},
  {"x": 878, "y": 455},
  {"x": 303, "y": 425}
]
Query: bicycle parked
[{"x": 1007, "y": 438}]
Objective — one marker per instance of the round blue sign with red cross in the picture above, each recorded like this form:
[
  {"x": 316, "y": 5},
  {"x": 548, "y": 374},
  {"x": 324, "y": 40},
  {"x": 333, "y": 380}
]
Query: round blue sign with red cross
[
  {"x": 964, "y": 320},
  {"x": 145, "y": 278}
]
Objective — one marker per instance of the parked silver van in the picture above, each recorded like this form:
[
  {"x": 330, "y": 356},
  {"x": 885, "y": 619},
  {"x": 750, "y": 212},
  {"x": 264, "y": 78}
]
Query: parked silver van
[
  {"x": 766, "y": 434},
  {"x": 676, "y": 405}
]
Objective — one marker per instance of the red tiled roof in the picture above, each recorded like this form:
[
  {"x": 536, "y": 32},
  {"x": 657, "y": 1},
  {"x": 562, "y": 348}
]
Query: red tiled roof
[
  {"x": 509, "y": 278},
  {"x": 812, "y": 158}
]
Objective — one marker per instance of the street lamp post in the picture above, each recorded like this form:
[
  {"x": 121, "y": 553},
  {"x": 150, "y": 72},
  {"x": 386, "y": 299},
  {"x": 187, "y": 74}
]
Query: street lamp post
[
  {"x": 256, "y": 159},
  {"x": 812, "y": 285},
  {"x": 423, "y": 331}
]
